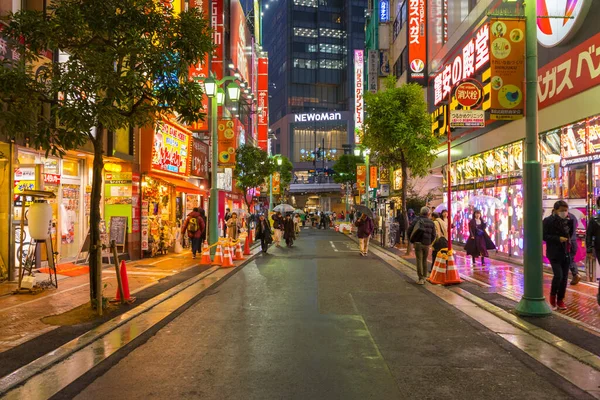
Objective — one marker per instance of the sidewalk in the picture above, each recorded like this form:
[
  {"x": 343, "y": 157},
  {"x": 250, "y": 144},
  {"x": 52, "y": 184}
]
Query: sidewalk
[{"x": 22, "y": 314}]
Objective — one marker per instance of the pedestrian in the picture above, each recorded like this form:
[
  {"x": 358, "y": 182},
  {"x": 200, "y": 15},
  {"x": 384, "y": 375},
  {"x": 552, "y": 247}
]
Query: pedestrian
[
  {"x": 263, "y": 232},
  {"x": 296, "y": 224},
  {"x": 288, "y": 230},
  {"x": 573, "y": 266},
  {"x": 343, "y": 216},
  {"x": 421, "y": 233},
  {"x": 277, "y": 227},
  {"x": 441, "y": 236},
  {"x": 557, "y": 229},
  {"x": 479, "y": 241},
  {"x": 194, "y": 226},
  {"x": 203, "y": 236},
  {"x": 351, "y": 216},
  {"x": 592, "y": 240},
  {"x": 401, "y": 219},
  {"x": 226, "y": 218},
  {"x": 410, "y": 216},
  {"x": 365, "y": 229},
  {"x": 233, "y": 227}
]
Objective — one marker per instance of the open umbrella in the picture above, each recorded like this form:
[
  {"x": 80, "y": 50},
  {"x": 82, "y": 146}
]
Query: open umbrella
[
  {"x": 299, "y": 211},
  {"x": 487, "y": 200},
  {"x": 240, "y": 212},
  {"x": 364, "y": 210},
  {"x": 444, "y": 206},
  {"x": 284, "y": 208}
]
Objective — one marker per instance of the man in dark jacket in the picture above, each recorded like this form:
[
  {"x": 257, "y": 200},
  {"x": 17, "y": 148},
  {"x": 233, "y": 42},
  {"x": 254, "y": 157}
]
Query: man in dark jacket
[
  {"x": 277, "y": 227},
  {"x": 558, "y": 229},
  {"x": 263, "y": 232},
  {"x": 592, "y": 240},
  {"x": 195, "y": 227},
  {"x": 421, "y": 233},
  {"x": 365, "y": 229}
]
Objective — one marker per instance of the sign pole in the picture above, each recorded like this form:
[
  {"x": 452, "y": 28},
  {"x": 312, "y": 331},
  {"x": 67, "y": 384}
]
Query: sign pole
[
  {"x": 533, "y": 302},
  {"x": 449, "y": 177}
]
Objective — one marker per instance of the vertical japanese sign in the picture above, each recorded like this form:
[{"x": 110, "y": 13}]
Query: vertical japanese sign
[
  {"x": 227, "y": 142},
  {"x": 361, "y": 178},
  {"x": 199, "y": 158},
  {"x": 201, "y": 70},
  {"x": 358, "y": 94},
  {"x": 218, "y": 33},
  {"x": 276, "y": 183},
  {"x": 384, "y": 175},
  {"x": 240, "y": 40},
  {"x": 373, "y": 176},
  {"x": 417, "y": 40},
  {"x": 373, "y": 69},
  {"x": 384, "y": 10},
  {"x": 507, "y": 62},
  {"x": 263, "y": 102}
]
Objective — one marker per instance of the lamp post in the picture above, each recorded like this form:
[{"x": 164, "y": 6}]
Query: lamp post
[
  {"x": 216, "y": 94},
  {"x": 277, "y": 158}
]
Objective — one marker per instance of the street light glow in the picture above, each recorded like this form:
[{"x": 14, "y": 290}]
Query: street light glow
[
  {"x": 234, "y": 91},
  {"x": 220, "y": 96},
  {"x": 210, "y": 86}
]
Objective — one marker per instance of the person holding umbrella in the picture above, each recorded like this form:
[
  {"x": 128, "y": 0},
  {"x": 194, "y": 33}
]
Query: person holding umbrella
[
  {"x": 479, "y": 241},
  {"x": 365, "y": 229}
]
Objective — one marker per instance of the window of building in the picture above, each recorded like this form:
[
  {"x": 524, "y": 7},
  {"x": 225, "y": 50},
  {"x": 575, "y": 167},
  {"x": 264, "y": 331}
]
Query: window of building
[
  {"x": 332, "y": 48},
  {"x": 305, "y": 32},
  {"x": 331, "y": 64},
  {"x": 306, "y": 3},
  {"x": 335, "y": 33},
  {"x": 305, "y": 63},
  {"x": 311, "y": 48}
]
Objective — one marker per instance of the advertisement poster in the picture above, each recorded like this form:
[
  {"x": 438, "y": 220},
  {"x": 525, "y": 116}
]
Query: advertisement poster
[
  {"x": 199, "y": 158},
  {"x": 201, "y": 70},
  {"x": 507, "y": 62},
  {"x": 276, "y": 179},
  {"x": 358, "y": 94},
  {"x": 573, "y": 140},
  {"x": 135, "y": 202},
  {"x": 578, "y": 182},
  {"x": 144, "y": 225},
  {"x": 227, "y": 142},
  {"x": 398, "y": 179},
  {"x": 417, "y": 40},
  {"x": 361, "y": 177},
  {"x": 240, "y": 40},
  {"x": 218, "y": 29},
  {"x": 171, "y": 150},
  {"x": 373, "y": 177},
  {"x": 263, "y": 103}
]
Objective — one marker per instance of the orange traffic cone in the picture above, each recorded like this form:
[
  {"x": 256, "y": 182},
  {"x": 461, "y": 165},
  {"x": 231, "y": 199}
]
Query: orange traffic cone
[
  {"x": 124, "y": 282},
  {"x": 438, "y": 274},
  {"x": 238, "y": 255},
  {"x": 247, "y": 246},
  {"x": 227, "y": 261},
  {"x": 218, "y": 256},
  {"x": 452, "y": 275},
  {"x": 205, "y": 260},
  {"x": 249, "y": 239}
]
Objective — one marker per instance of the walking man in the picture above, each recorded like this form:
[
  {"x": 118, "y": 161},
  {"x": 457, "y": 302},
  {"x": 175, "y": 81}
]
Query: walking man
[
  {"x": 558, "y": 229},
  {"x": 263, "y": 232},
  {"x": 195, "y": 227},
  {"x": 365, "y": 229},
  {"x": 421, "y": 233},
  {"x": 592, "y": 240},
  {"x": 573, "y": 266}
]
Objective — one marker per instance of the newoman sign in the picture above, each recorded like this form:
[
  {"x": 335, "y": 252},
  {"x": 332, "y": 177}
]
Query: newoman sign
[{"x": 333, "y": 116}]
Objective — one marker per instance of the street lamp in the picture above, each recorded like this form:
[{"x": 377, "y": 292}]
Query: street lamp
[
  {"x": 216, "y": 94},
  {"x": 279, "y": 161}
]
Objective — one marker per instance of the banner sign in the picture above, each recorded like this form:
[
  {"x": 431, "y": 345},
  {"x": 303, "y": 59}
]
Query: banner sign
[
  {"x": 358, "y": 94},
  {"x": 200, "y": 70},
  {"x": 384, "y": 175},
  {"x": 276, "y": 183},
  {"x": 171, "y": 150},
  {"x": 218, "y": 29},
  {"x": 263, "y": 103},
  {"x": 240, "y": 40},
  {"x": 507, "y": 62},
  {"x": 384, "y": 11},
  {"x": 373, "y": 70},
  {"x": 373, "y": 176},
  {"x": 417, "y": 40},
  {"x": 227, "y": 142},
  {"x": 384, "y": 63},
  {"x": 199, "y": 158},
  {"x": 467, "y": 119},
  {"x": 397, "y": 179},
  {"x": 361, "y": 177}
]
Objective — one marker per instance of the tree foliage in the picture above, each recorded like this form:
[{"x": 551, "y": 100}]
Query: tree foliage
[
  {"x": 345, "y": 168},
  {"x": 252, "y": 166},
  {"x": 126, "y": 64},
  {"x": 285, "y": 172},
  {"x": 398, "y": 130}
]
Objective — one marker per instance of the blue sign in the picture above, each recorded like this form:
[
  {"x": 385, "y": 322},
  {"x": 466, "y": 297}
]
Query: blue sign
[{"x": 384, "y": 10}]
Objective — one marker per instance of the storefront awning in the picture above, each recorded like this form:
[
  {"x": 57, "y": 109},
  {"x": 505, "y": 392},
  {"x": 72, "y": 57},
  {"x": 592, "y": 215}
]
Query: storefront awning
[{"x": 180, "y": 184}]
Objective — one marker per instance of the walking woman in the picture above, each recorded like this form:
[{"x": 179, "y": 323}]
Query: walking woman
[
  {"x": 479, "y": 241},
  {"x": 233, "y": 227},
  {"x": 288, "y": 230},
  {"x": 263, "y": 232}
]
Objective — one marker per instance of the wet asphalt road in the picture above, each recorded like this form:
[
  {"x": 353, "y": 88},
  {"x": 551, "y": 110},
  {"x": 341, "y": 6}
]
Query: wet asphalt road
[{"x": 318, "y": 321}]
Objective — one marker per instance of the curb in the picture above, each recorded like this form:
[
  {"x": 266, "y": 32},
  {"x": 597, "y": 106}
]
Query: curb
[
  {"x": 570, "y": 349},
  {"x": 46, "y": 361}
]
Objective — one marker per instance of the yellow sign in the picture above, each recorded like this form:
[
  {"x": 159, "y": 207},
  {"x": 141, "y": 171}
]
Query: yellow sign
[
  {"x": 276, "y": 183},
  {"x": 361, "y": 178}
]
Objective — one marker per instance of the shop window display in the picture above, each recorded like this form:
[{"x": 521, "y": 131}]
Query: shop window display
[{"x": 158, "y": 222}]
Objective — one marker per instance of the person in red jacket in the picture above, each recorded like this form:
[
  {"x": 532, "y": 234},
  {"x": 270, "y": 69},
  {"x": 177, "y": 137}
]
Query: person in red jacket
[{"x": 195, "y": 227}]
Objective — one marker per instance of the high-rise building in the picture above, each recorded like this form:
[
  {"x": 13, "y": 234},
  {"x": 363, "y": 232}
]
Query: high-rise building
[{"x": 311, "y": 47}]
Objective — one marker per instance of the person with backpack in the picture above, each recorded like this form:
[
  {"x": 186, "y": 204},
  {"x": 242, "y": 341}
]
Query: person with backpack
[
  {"x": 194, "y": 226},
  {"x": 592, "y": 241},
  {"x": 441, "y": 235},
  {"x": 365, "y": 230},
  {"x": 422, "y": 234}
]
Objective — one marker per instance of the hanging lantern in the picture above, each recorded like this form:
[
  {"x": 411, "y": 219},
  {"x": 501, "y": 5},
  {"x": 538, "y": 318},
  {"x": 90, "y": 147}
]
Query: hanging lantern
[{"x": 39, "y": 219}]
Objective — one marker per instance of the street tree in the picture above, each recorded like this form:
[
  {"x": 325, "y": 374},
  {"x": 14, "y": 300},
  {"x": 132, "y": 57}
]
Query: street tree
[
  {"x": 398, "y": 130},
  {"x": 345, "y": 168},
  {"x": 285, "y": 174},
  {"x": 126, "y": 64},
  {"x": 252, "y": 167}
]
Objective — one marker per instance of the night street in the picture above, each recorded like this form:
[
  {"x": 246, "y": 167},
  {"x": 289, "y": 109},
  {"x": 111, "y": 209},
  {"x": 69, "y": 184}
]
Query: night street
[{"x": 318, "y": 321}]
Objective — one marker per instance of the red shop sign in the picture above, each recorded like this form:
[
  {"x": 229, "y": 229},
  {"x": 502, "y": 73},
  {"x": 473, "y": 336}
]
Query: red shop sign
[{"x": 469, "y": 94}]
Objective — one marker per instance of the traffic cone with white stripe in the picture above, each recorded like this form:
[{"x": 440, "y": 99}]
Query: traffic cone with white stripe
[
  {"x": 438, "y": 274},
  {"x": 452, "y": 275},
  {"x": 205, "y": 259},
  {"x": 239, "y": 254},
  {"x": 218, "y": 256},
  {"x": 227, "y": 261}
]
